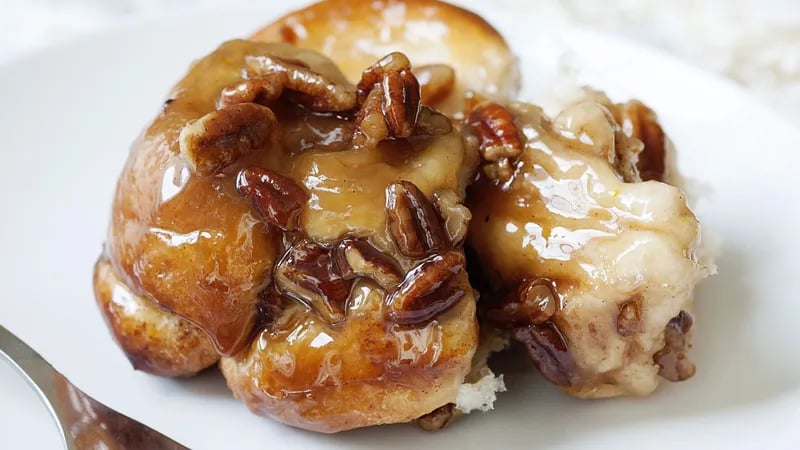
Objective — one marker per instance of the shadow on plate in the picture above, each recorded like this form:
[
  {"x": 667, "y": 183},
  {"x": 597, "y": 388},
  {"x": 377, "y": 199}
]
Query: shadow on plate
[{"x": 208, "y": 383}]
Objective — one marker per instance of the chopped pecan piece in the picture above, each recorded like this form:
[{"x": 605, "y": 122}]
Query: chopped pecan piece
[
  {"x": 629, "y": 320},
  {"x": 358, "y": 258},
  {"x": 533, "y": 302},
  {"x": 428, "y": 290},
  {"x": 219, "y": 138},
  {"x": 307, "y": 273},
  {"x": 548, "y": 349},
  {"x": 439, "y": 418},
  {"x": 277, "y": 197},
  {"x": 262, "y": 89},
  {"x": 437, "y": 82},
  {"x": 317, "y": 92},
  {"x": 674, "y": 364},
  {"x": 413, "y": 223},
  {"x": 641, "y": 122},
  {"x": 456, "y": 216}
]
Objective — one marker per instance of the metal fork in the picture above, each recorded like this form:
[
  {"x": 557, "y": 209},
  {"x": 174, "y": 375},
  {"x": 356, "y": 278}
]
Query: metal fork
[{"x": 84, "y": 423}]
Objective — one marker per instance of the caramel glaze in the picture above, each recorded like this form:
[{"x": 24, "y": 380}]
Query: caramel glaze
[
  {"x": 567, "y": 216},
  {"x": 196, "y": 248}
]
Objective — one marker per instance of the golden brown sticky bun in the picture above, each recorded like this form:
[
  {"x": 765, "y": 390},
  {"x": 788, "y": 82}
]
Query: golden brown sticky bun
[
  {"x": 589, "y": 268},
  {"x": 310, "y": 227},
  {"x": 154, "y": 341},
  {"x": 454, "y": 50}
]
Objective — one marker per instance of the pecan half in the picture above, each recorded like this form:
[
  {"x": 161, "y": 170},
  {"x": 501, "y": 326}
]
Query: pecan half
[
  {"x": 373, "y": 75},
  {"x": 318, "y": 92},
  {"x": 673, "y": 361},
  {"x": 307, "y": 274},
  {"x": 428, "y": 290},
  {"x": 277, "y": 198},
  {"x": 399, "y": 98},
  {"x": 262, "y": 89},
  {"x": 439, "y": 418},
  {"x": 413, "y": 223},
  {"x": 358, "y": 258},
  {"x": 548, "y": 349},
  {"x": 456, "y": 216},
  {"x": 641, "y": 122},
  {"x": 437, "y": 82},
  {"x": 629, "y": 320},
  {"x": 221, "y": 137},
  {"x": 533, "y": 302},
  {"x": 499, "y": 136}
]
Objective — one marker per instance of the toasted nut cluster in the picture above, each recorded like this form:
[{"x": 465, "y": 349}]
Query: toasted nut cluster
[
  {"x": 437, "y": 82},
  {"x": 221, "y": 137},
  {"x": 673, "y": 361},
  {"x": 499, "y": 138},
  {"x": 629, "y": 320},
  {"x": 277, "y": 197},
  {"x": 311, "y": 89},
  {"x": 548, "y": 350},
  {"x": 413, "y": 222},
  {"x": 307, "y": 273},
  {"x": 358, "y": 258},
  {"x": 456, "y": 216},
  {"x": 534, "y": 302},
  {"x": 439, "y": 418},
  {"x": 639, "y": 121},
  {"x": 428, "y": 290}
]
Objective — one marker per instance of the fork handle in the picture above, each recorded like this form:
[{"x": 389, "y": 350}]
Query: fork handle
[
  {"x": 39, "y": 374},
  {"x": 83, "y": 421}
]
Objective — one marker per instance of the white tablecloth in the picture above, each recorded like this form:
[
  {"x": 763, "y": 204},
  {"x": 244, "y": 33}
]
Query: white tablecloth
[{"x": 754, "y": 42}]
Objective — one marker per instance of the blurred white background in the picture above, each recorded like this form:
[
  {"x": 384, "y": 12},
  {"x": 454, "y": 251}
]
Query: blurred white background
[{"x": 754, "y": 42}]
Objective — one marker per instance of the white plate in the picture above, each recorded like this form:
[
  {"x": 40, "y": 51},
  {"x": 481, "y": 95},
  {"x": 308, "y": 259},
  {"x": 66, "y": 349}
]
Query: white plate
[{"x": 69, "y": 113}]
